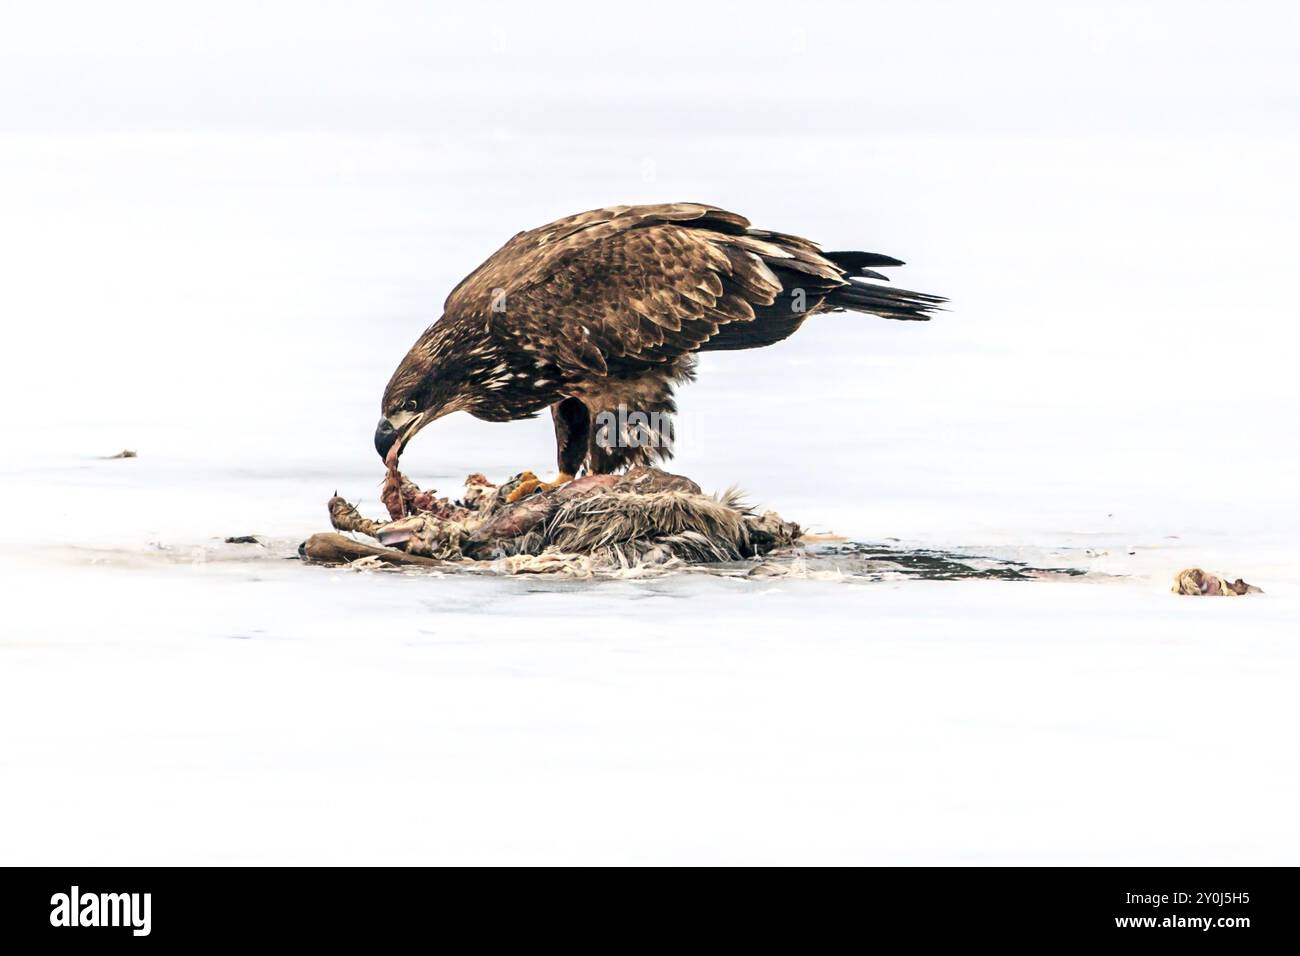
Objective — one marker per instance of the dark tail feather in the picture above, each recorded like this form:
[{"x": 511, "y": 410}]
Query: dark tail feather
[
  {"x": 885, "y": 301},
  {"x": 851, "y": 261}
]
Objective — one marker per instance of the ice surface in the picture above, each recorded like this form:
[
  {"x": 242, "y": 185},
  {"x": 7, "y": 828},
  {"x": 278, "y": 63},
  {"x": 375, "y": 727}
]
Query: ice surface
[{"x": 222, "y": 276}]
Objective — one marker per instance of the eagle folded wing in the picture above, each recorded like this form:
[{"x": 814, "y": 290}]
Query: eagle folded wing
[{"x": 624, "y": 289}]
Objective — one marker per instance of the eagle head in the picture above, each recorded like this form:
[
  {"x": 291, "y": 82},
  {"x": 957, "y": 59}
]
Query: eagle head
[{"x": 437, "y": 377}]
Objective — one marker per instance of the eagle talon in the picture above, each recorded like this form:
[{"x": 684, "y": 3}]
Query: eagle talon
[{"x": 528, "y": 483}]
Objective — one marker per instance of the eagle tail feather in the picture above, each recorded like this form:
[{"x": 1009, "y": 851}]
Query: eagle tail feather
[
  {"x": 852, "y": 261},
  {"x": 887, "y": 302}
]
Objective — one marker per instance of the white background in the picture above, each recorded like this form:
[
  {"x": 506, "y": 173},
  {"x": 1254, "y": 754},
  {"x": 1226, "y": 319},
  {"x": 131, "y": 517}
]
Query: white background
[{"x": 222, "y": 226}]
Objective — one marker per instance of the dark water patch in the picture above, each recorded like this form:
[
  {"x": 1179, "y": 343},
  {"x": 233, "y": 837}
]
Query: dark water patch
[{"x": 930, "y": 564}]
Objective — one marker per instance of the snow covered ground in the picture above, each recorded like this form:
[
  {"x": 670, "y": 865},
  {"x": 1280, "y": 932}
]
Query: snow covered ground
[{"x": 217, "y": 244}]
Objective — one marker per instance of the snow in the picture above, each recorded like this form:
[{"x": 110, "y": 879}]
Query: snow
[{"x": 222, "y": 276}]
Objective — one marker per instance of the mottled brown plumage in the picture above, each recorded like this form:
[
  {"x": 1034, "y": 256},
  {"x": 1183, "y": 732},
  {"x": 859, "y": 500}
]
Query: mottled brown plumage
[{"x": 607, "y": 309}]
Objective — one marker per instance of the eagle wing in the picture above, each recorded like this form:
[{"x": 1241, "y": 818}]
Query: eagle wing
[{"x": 627, "y": 288}]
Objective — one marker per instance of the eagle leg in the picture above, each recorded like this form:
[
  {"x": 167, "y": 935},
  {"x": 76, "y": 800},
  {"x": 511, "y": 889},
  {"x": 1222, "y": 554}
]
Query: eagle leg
[
  {"x": 572, "y": 431},
  {"x": 572, "y": 428}
]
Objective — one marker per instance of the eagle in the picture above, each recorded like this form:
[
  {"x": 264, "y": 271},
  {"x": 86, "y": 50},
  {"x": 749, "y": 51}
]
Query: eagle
[{"x": 599, "y": 316}]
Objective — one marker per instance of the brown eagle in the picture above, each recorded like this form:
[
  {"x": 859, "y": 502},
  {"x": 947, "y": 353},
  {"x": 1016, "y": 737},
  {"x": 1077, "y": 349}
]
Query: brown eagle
[{"x": 598, "y": 317}]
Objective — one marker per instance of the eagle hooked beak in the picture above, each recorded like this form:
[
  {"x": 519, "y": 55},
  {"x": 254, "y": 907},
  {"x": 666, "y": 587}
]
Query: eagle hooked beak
[{"x": 397, "y": 430}]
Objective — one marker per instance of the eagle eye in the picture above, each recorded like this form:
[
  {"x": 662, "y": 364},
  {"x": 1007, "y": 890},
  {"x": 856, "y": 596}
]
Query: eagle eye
[{"x": 410, "y": 405}]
